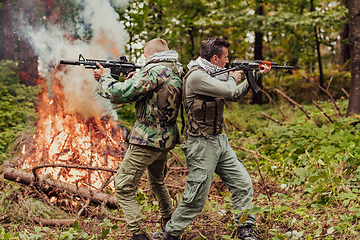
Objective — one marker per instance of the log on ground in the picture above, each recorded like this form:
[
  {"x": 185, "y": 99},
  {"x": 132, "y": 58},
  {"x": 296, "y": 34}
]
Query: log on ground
[{"x": 46, "y": 184}]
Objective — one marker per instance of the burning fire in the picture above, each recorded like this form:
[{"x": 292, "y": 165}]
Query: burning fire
[
  {"x": 72, "y": 128},
  {"x": 63, "y": 138}
]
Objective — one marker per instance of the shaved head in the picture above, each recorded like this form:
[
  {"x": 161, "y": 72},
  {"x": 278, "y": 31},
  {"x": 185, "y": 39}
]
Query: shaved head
[{"x": 154, "y": 46}]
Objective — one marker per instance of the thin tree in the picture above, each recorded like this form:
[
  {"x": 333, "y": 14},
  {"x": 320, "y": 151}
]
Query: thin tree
[
  {"x": 354, "y": 38},
  {"x": 8, "y": 31},
  {"x": 28, "y": 61},
  {"x": 258, "y": 54},
  {"x": 312, "y": 9}
]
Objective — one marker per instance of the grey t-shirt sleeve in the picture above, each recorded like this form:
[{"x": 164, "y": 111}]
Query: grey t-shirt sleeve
[{"x": 203, "y": 84}]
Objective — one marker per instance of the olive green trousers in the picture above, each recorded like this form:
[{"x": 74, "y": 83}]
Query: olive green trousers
[
  {"x": 203, "y": 158},
  {"x": 136, "y": 160}
]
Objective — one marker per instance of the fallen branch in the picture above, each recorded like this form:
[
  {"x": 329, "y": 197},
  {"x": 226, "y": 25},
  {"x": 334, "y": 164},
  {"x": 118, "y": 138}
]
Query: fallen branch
[
  {"x": 177, "y": 157},
  {"x": 293, "y": 102},
  {"x": 346, "y": 93},
  {"x": 258, "y": 154},
  {"x": 46, "y": 184},
  {"x": 272, "y": 101},
  {"x": 83, "y": 208},
  {"x": 272, "y": 119},
  {"x": 54, "y": 222},
  {"x": 337, "y": 109},
  {"x": 232, "y": 124},
  {"x": 323, "y": 112},
  {"x": 53, "y": 165},
  {"x": 103, "y": 208}
]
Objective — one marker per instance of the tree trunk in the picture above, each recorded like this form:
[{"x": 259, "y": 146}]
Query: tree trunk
[
  {"x": 344, "y": 48},
  {"x": 258, "y": 55},
  {"x": 354, "y": 38},
  {"x": 8, "y": 30},
  {"x": 321, "y": 74},
  {"x": 28, "y": 61}
]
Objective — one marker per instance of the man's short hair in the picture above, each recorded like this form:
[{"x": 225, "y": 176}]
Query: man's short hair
[
  {"x": 157, "y": 45},
  {"x": 213, "y": 46}
]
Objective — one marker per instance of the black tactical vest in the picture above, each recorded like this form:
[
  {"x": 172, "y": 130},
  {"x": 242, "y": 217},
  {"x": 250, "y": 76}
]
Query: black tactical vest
[{"x": 205, "y": 116}]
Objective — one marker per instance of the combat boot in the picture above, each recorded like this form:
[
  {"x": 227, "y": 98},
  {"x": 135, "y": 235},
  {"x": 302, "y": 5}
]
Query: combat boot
[
  {"x": 167, "y": 236},
  {"x": 246, "y": 233},
  {"x": 141, "y": 236},
  {"x": 160, "y": 233}
]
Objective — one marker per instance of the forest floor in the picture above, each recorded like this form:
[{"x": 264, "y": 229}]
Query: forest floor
[{"x": 215, "y": 221}]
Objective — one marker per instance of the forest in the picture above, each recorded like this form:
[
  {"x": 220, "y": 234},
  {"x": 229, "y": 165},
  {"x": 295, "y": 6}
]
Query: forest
[{"x": 61, "y": 144}]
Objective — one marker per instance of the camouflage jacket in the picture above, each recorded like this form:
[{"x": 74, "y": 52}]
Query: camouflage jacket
[{"x": 156, "y": 120}]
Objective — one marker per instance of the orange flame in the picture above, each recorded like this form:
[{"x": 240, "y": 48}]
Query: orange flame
[{"x": 63, "y": 138}]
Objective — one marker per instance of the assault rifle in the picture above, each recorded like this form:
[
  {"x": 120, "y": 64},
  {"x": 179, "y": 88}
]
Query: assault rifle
[
  {"x": 116, "y": 67},
  {"x": 248, "y": 66}
]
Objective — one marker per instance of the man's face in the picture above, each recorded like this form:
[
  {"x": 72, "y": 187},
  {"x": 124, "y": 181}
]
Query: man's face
[{"x": 223, "y": 60}]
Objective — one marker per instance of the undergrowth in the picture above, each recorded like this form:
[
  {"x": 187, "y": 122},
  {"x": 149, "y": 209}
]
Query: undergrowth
[{"x": 305, "y": 170}]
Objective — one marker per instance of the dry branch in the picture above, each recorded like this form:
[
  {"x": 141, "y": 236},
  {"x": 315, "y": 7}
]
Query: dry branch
[
  {"x": 103, "y": 208},
  {"x": 83, "y": 208},
  {"x": 293, "y": 102},
  {"x": 177, "y": 157},
  {"x": 46, "y": 183},
  {"x": 337, "y": 109},
  {"x": 323, "y": 112},
  {"x": 272, "y": 119},
  {"x": 258, "y": 154},
  {"x": 272, "y": 101},
  {"x": 54, "y": 222},
  {"x": 346, "y": 93}
]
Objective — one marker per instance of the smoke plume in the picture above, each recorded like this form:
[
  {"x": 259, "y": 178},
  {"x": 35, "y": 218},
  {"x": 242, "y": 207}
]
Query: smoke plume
[{"x": 54, "y": 40}]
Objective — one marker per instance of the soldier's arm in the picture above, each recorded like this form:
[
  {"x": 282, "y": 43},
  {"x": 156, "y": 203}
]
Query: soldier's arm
[
  {"x": 130, "y": 90},
  {"x": 203, "y": 84}
]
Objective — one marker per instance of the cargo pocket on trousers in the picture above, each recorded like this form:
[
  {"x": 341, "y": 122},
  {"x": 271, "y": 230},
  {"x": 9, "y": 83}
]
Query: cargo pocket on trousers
[
  {"x": 194, "y": 182},
  {"x": 124, "y": 180}
]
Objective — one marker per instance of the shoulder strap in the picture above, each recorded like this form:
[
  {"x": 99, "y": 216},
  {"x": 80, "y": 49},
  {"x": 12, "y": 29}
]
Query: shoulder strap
[{"x": 184, "y": 103}]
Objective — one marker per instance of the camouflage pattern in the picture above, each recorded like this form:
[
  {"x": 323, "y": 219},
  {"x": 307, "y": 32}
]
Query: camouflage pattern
[{"x": 136, "y": 89}]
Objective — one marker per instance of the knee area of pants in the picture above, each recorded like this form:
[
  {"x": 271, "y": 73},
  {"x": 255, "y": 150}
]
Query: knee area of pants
[
  {"x": 121, "y": 189},
  {"x": 244, "y": 191}
]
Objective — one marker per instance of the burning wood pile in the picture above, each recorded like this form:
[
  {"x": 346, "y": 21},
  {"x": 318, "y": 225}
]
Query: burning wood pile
[{"x": 69, "y": 153}]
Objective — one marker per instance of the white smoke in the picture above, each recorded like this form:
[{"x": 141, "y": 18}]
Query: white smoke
[{"x": 53, "y": 42}]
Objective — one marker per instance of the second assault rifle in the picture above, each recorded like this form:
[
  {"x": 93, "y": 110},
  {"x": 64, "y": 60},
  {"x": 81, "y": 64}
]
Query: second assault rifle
[
  {"x": 248, "y": 66},
  {"x": 116, "y": 67}
]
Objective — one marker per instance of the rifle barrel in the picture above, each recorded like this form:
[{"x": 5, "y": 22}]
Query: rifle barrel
[{"x": 69, "y": 62}]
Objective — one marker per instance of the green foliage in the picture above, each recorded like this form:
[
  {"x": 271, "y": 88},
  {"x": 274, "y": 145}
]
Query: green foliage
[
  {"x": 324, "y": 156},
  {"x": 17, "y": 101},
  {"x": 126, "y": 114}
]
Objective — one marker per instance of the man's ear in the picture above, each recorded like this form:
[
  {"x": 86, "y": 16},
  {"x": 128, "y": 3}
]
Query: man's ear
[{"x": 214, "y": 59}]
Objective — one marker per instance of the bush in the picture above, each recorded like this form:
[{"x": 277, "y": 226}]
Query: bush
[{"x": 17, "y": 112}]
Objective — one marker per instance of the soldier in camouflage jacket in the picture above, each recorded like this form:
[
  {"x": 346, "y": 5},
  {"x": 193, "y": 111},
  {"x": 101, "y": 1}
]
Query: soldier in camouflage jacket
[{"x": 156, "y": 90}]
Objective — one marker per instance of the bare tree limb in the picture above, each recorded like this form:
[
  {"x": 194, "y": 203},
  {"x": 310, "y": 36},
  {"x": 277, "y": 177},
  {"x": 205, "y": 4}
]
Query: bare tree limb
[
  {"x": 323, "y": 112},
  {"x": 337, "y": 109},
  {"x": 272, "y": 119},
  {"x": 272, "y": 101},
  {"x": 293, "y": 102},
  {"x": 54, "y": 222},
  {"x": 346, "y": 93},
  {"x": 258, "y": 154}
]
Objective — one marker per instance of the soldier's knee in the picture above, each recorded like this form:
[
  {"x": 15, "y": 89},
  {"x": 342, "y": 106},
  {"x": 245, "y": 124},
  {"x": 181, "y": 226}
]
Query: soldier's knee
[{"x": 124, "y": 181}]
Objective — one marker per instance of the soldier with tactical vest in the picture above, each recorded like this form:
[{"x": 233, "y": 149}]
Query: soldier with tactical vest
[
  {"x": 206, "y": 149},
  {"x": 156, "y": 90}
]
